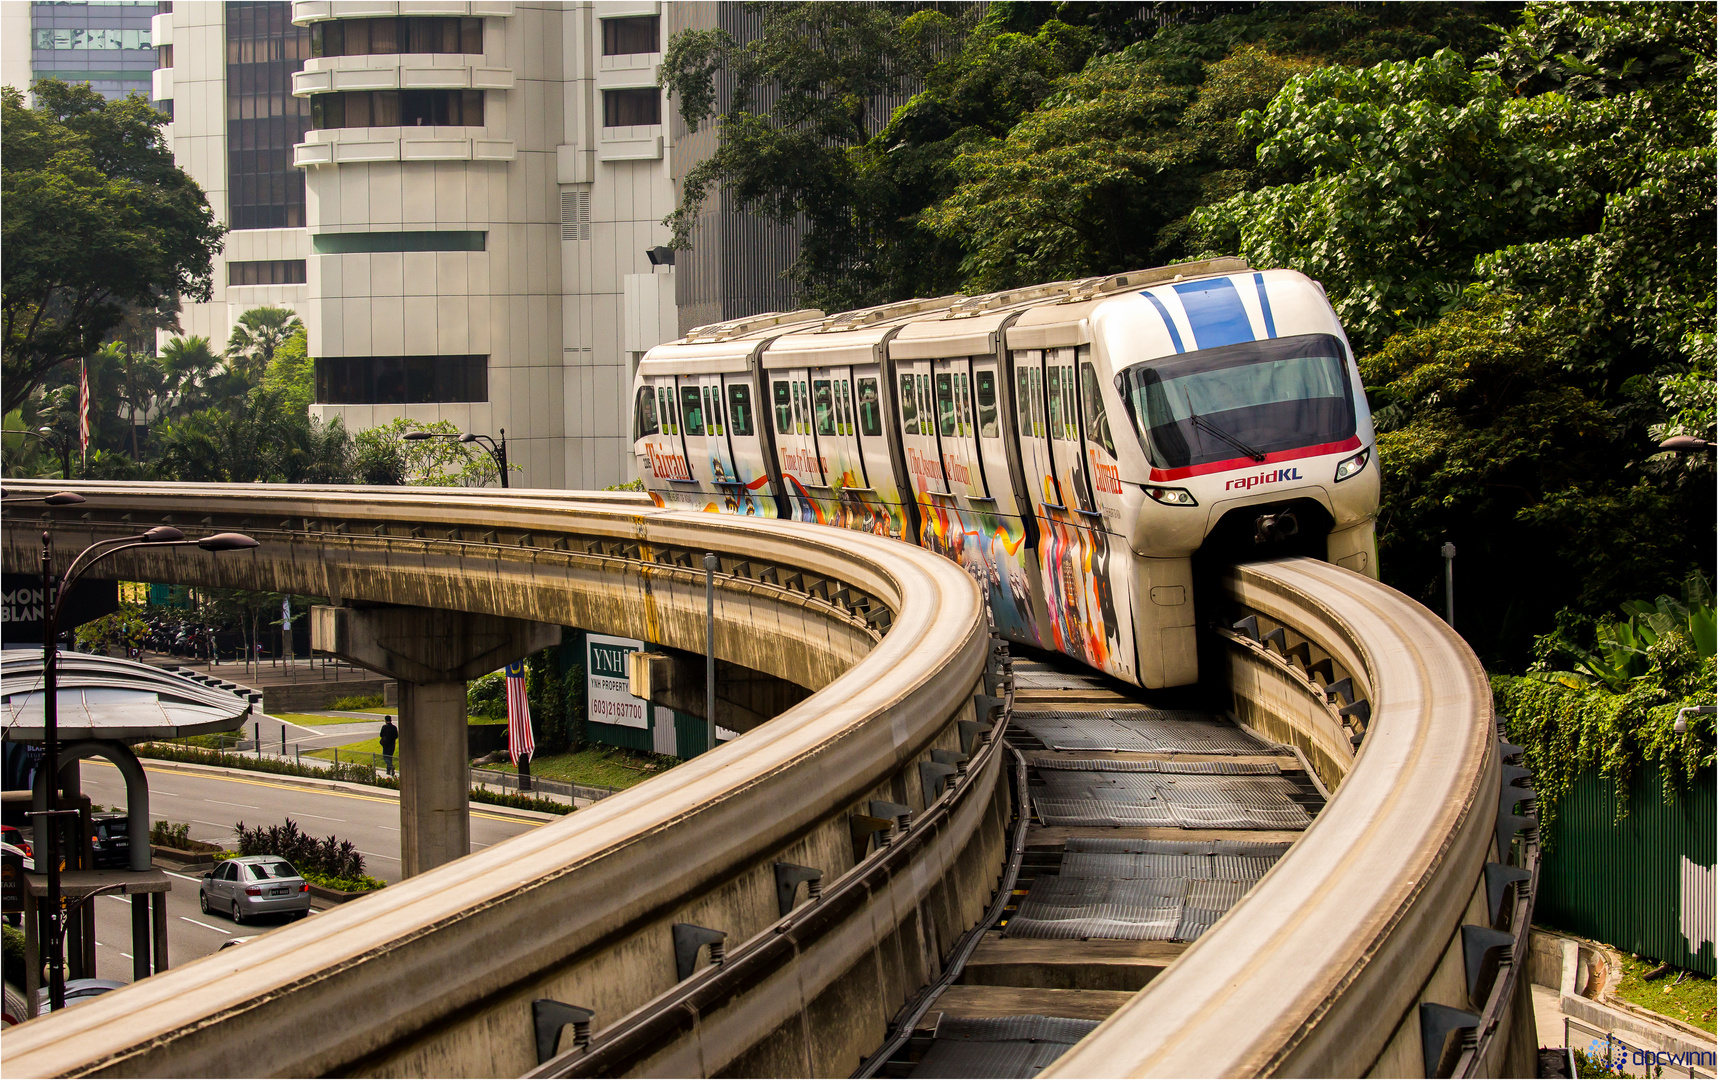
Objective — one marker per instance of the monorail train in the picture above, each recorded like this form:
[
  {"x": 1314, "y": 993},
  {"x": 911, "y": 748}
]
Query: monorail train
[{"x": 1072, "y": 445}]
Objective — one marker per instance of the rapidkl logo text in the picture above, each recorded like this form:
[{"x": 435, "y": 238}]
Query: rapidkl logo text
[{"x": 1275, "y": 476}]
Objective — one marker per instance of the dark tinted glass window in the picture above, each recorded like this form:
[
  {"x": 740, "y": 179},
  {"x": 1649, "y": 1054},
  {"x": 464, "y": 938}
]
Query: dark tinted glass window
[
  {"x": 264, "y": 120},
  {"x": 692, "y": 408},
  {"x": 401, "y": 380},
  {"x": 372, "y": 37},
  {"x": 870, "y": 408},
  {"x": 267, "y": 272},
  {"x": 740, "y": 408},
  {"x": 397, "y": 108},
  {"x": 783, "y": 409},
  {"x": 634, "y": 35},
  {"x": 632, "y": 108},
  {"x": 644, "y": 413}
]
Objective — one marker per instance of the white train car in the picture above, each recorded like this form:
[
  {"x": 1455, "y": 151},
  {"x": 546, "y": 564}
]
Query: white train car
[{"x": 1073, "y": 445}]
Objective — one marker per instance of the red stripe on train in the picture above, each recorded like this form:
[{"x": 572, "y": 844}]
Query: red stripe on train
[{"x": 1296, "y": 454}]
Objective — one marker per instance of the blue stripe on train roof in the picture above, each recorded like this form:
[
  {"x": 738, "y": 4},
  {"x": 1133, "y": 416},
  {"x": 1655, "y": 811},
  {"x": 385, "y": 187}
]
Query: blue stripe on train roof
[
  {"x": 1174, "y": 334},
  {"x": 1265, "y": 306},
  {"x": 1215, "y": 313}
]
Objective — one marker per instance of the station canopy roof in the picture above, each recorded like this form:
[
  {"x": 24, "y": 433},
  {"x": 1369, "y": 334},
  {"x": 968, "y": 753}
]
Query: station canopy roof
[{"x": 104, "y": 697}]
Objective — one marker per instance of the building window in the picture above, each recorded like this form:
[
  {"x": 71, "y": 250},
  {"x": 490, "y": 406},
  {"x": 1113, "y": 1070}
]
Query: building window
[
  {"x": 401, "y": 380},
  {"x": 397, "y": 108},
  {"x": 264, "y": 121},
  {"x": 266, "y": 272},
  {"x": 622, "y": 37},
  {"x": 632, "y": 108},
  {"x": 92, "y": 38},
  {"x": 386, "y": 37},
  {"x": 418, "y": 240},
  {"x": 164, "y": 56}
]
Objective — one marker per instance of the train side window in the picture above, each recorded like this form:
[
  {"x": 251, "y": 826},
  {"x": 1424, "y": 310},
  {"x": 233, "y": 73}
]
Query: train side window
[
  {"x": 870, "y": 409},
  {"x": 985, "y": 381},
  {"x": 1054, "y": 396},
  {"x": 823, "y": 406},
  {"x": 927, "y": 409},
  {"x": 945, "y": 403},
  {"x": 740, "y": 408},
  {"x": 713, "y": 408},
  {"x": 783, "y": 407},
  {"x": 847, "y": 406},
  {"x": 692, "y": 409},
  {"x": 1097, "y": 420},
  {"x": 644, "y": 414},
  {"x": 1038, "y": 402},
  {"x": 799, "y": 408},
  {"x": 1023, "y": 401},
  {"x": 909, "y": 406}
]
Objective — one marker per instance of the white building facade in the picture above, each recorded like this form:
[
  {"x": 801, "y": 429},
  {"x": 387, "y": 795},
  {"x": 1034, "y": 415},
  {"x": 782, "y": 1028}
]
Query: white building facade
[{"x": 458, "y": 198}]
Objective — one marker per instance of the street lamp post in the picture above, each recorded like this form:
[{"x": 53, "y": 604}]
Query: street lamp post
[
  {"x": 497, "y": 450},
  {"x": 56, "y": 442},
  {"x": 55, "y": 592}
]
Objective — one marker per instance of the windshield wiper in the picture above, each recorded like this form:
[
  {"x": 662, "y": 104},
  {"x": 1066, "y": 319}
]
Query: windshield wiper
[{"x": 1200, "y": 421}]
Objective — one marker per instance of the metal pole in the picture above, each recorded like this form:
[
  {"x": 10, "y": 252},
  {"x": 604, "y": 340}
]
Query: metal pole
[
  {"x": 51, "y": 762},
  {"x": 501, "y": 456},
  {"x": 711, "y": 565},
  {"x": 1449, "y": 553}
]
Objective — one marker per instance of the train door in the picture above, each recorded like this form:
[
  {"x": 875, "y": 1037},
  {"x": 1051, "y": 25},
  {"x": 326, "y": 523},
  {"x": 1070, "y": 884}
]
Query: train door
[
  {"x": 701, "y": 407},
  {"x": 1001, "y": 522},
  {"x": 870, "y": 413},
  {"x": 921, "y": 442},
  {"x": 663, "y": 451},
  {"x": 797, "y": 453},
  {"x": 752, "y": 492},
  {"x": 1109, "y": 561}
]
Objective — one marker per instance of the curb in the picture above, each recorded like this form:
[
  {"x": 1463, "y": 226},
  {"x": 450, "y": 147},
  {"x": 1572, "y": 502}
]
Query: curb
[{"x": 332, "y": 785}]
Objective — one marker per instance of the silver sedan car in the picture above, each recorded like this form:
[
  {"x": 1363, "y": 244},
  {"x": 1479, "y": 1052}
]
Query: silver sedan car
[{"x": 255, "y": 885}]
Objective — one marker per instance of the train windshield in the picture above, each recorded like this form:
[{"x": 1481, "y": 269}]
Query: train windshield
[{"x": 1244, "y": 400}]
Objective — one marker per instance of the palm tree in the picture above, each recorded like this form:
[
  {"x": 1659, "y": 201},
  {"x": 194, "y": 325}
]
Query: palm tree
[
  {"x": 186, "y": 364},
  {"x": 259, "y": 332},
  {"x": 142, "y": 380}
]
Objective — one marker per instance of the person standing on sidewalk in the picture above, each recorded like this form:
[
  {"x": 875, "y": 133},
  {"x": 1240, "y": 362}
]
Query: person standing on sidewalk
[{"x": 390, "y": 737}]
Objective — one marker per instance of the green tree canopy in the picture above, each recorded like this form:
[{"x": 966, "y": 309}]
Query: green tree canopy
[
  {"x": 96, "y": 221},
  {"x": 255, "y": 337}
]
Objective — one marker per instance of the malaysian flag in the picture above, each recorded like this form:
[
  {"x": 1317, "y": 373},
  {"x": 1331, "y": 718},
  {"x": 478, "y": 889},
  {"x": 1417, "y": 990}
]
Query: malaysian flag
[
  {"x": 520, "y": 744},
  {"x": 83, "y": 410}
]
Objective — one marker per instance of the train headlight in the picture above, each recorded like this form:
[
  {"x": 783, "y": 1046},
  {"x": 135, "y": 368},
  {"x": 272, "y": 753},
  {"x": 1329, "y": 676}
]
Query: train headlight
[
  {"x": 1172, "y": 496},
  {"x": 1353, "y": 466}
]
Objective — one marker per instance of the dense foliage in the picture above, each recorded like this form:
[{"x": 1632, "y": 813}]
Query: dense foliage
[
  {"x": 98, "y": 225},
  {"x": 329, "y": 857}
]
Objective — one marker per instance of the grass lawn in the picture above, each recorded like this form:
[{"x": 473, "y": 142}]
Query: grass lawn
[
  {"x": 597, "y": 766},
  {"x": 368, "y": 746},
  {"x": 317, "y": 720},
  {"x": 1693, "y": 1002}
]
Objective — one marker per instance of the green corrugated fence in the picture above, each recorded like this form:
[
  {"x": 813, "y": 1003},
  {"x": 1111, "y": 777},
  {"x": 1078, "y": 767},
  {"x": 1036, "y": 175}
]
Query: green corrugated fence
[{"x": 1645, "y": 882}]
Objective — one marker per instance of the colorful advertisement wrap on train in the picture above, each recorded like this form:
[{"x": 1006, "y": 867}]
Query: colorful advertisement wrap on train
[
  {"x": 992, "y": 548},
  {"x": 1085, "y": 570}
]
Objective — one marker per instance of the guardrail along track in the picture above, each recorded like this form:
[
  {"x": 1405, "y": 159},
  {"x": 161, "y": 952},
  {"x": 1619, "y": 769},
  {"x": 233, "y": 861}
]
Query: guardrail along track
[{"x": 1381, "y": 942}]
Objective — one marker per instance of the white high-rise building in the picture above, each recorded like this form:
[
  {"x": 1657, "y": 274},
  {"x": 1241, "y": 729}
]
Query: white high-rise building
[{"x": 459, "y": 199}]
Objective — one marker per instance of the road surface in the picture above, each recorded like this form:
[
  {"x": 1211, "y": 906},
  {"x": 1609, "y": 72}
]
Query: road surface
[{"x": 212, "y": 804}]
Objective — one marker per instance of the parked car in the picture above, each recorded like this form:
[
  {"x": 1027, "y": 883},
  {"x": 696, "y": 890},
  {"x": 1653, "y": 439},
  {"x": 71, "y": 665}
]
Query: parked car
[
  {"x": 78, "y": 991},
  {"x": 255, "y": 885},
  {"x": 110, "y": 836},
  {"x": 13, "y": 835}
]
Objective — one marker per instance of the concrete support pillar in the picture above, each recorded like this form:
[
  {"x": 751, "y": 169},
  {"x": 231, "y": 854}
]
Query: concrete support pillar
[
  {"x": 435, "y": 775},
  {"x": 432, "y": 654}
]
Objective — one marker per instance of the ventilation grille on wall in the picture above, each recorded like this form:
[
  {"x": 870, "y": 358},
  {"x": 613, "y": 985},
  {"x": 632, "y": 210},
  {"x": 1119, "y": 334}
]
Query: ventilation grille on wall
[{"x": 575, "y": 213}]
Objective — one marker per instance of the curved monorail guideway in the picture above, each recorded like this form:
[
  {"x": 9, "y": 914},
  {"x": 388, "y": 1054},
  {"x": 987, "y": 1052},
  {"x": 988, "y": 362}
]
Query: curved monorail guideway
[{"x": 1329, "y": 875}]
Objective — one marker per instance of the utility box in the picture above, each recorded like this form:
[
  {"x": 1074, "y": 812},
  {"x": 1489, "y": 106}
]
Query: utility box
[{"x": 648, "y": 674}]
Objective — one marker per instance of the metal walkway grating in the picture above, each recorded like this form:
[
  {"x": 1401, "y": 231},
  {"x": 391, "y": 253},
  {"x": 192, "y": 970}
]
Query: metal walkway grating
[
  {"x": 1158, "y": 730},
  {"x": 1030, "y": 675},
  {"x": 1100, "y": 798},
  {"x": 1141, "y": 890},
  {"x": 1004, "y": 1046}
]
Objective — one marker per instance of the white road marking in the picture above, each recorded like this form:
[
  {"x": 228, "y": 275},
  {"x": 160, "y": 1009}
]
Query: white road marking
[
  {"x": 204, "y": 925},
  {"x": 373, "y": 855},
  {"x": 319, "y": 817},
  {"x": 223, "y": 802},
  {"x": 184, "y": 877},
  {"x": 121, "y": 899}
]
